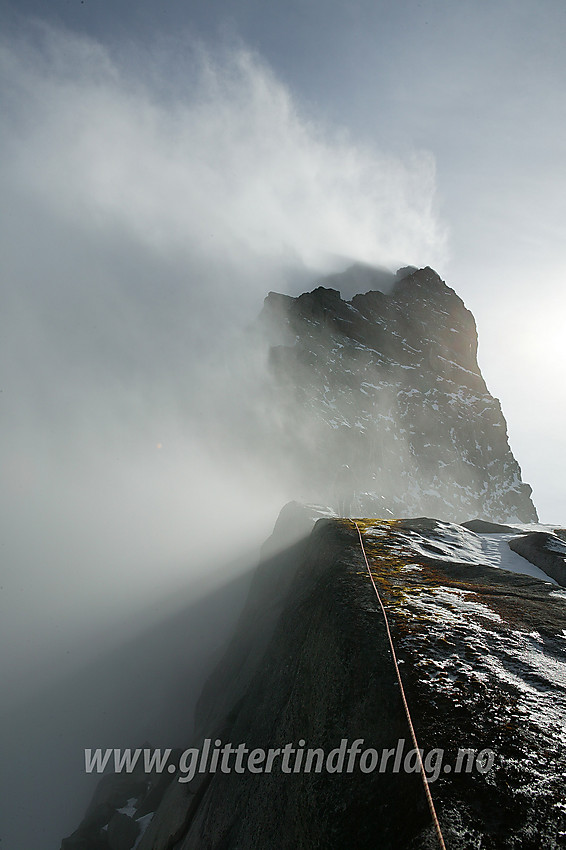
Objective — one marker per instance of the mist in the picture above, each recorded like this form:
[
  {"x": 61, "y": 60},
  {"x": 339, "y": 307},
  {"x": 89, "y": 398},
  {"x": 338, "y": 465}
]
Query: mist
[{"x": 150, "y": 202}]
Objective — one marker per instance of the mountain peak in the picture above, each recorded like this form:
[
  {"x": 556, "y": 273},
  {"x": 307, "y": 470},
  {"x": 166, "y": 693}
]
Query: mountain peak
[{"x": 388, "y": 385}]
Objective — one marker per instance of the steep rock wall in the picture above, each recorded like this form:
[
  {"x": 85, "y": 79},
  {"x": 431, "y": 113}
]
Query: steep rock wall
[{"x": 377, "y": 405}]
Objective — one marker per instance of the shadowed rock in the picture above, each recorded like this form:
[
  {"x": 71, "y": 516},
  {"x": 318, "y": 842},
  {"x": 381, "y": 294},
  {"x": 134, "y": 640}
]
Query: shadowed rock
[
  {"x": 481, "y": 526},
  {"x": 544, "y": 550},
  {"x": 386, "y": 385}
]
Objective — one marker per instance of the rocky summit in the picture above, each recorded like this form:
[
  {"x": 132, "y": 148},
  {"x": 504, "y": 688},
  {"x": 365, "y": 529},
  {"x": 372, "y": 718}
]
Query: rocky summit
[{"x": 378, "y": 405}]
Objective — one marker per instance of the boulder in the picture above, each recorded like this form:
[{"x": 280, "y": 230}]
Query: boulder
[{"x": 544, "y": 550}]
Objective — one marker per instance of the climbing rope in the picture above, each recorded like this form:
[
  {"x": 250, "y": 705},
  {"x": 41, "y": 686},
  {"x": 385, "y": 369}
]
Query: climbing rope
[{"x": 404, "y": 698}]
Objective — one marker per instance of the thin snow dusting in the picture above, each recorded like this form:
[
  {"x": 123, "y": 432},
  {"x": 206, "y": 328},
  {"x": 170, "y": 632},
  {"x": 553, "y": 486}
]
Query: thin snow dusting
[
  {"x": 452, "y": 543},
  {"x": 511, "y": 661},
  {"x": 557, "y": 546},
  {"x": 456, "y": 544},
  {"x": 130, "y": 808},
  {"x": 489, "y": 653}
]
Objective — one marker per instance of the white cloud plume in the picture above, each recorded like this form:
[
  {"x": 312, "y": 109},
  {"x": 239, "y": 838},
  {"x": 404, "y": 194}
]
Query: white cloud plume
[
  {"x": 151, "y": 201},
  {"x": 206, "y": 152}
]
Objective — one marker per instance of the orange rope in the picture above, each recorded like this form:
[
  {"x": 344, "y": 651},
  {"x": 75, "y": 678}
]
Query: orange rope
[{"x": 404, "y": 698}]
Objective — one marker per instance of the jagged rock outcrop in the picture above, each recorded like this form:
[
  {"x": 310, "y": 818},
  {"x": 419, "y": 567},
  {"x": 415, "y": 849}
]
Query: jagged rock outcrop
[
  {"x": 378, "y": 406},
  {"x": 481, "y": 653},
  {"x": 544, "y": 550}
]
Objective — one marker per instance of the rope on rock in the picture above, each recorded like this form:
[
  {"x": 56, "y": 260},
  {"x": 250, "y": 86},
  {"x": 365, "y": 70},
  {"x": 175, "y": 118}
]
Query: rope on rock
[{"x": 404, "y": 698}]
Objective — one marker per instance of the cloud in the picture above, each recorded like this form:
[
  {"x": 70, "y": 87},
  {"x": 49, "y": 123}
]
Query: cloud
[
  {"x": 202, "y": 151},
  {"x": 151, "y": 201},
  {"x": 146, "y": 192}
]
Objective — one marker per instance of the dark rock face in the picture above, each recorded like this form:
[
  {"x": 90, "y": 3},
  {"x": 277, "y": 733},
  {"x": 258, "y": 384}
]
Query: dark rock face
[
  {"x": 481, "y": 526},
  {"x": 177, "y": 802},
  {"x": 106, "y": 826},
  {"x": 122, "y": 832},
  {"x": 546, "y": 551},
  {"x": 481, "y": 654},
  {"x": 280, "y": 557},
  {"x": 380, "y": 402}
]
